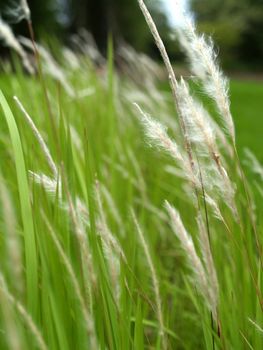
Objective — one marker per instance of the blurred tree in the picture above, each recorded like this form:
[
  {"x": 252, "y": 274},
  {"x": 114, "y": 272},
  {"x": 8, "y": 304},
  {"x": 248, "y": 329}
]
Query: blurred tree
[
  {"x": 236, "y": 25},
  {"x": 121, "y": 18}
]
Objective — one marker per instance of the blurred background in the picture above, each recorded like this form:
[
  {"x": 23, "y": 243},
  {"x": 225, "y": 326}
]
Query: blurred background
[{"x": 236, "y": 25}]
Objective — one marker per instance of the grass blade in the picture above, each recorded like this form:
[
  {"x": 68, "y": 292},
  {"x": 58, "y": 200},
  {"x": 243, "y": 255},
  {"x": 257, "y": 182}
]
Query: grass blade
[{"x": 26, "y": 210}]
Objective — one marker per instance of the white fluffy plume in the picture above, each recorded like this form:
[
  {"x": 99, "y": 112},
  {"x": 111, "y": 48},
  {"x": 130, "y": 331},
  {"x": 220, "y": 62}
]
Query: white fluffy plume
[
  {"x": 197, "y": 121},
  {"x": 9, "y": 39},
  {"x": 50, "y": 66},
  {"x": 203, "y": 283},
  {"x": 26, "y": 10},
  {"x": 203, "y": 61},
  {"x": 157, "y": 135}
]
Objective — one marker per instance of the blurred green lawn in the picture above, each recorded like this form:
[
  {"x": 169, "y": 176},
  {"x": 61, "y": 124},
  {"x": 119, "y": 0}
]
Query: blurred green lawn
[{"x": 247, "y": 109}]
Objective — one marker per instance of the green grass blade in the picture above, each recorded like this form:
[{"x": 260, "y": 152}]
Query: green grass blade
[{"x": 26, "y": 210}]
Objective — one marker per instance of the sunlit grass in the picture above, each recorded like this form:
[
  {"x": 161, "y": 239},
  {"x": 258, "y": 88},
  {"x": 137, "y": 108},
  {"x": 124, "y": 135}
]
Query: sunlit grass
[{"x": 99, "y": 148}]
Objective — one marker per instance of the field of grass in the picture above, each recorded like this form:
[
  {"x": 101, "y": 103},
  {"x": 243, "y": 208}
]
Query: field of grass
[
  {"x": 89, "y": 259},
  {"x": 246, "y": 99}
]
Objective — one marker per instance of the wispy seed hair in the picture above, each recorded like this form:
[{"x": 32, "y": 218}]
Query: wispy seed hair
[
  {"x": 153, "y": 276},
  {"x": 8, "y": 37},
  {"x": 194, "y": 261},
  {"x": 26, "y": 10},
  {"x": 39, "y": 138},
  {"x": 203, "y": 61},
  {"x": 23, "y": 313}
]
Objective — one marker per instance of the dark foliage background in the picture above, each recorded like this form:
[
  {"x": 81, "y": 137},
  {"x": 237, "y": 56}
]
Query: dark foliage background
[
  {"x": 121, "y": 18},
  {"x": 236, "y": 25}
]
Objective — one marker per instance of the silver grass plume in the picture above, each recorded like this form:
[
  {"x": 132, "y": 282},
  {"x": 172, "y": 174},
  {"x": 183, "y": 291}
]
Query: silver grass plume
[
  {"x": 11, "y": 327},
  {"x": 257, "y": 326},
  {"x": 194, "y": 262},
  {"x": 39, "y": 138},
  {"x": 171, "y": 75},
  {"x": 203, "y": 61},
  {"x": 155, "y": 281},
  {"x": 104, "y": 229},
  {"x": 50, "y": 66},
  {"x": 201, "y": 133},
  {"x": 77, "y": 211},
  {"x": 214, "y": 207},
  {"x": 86, "y": 44},
  {"x": 111, "y": 247},
  {"x": 15, "y": 260},
  {"x": 217, "y": 81},
  {"x": 23, "y": 313},
  {"x": 26, "y": 10},
  {"x": 160, "y": 45},
  {"x": 71, "y": 59},
  {"x": 157, "y": 135},
  {"x": 52, "y": 186},
  {"x": 8, "y": 37},
  {"x": 81, "y": 235},
  {"x": 170, "y": 71},
  {"x": 139, "y": 67},
  {"x": 197, "y": 121},
  {"x": 113, "y": 208},
  {"x": 208, "y": 263}
]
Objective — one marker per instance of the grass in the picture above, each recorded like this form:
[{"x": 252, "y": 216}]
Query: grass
[
  {"x": 87, "y": 276},
  {"x": 246, "y": 106},
  {"x": 26, "y": 211}
]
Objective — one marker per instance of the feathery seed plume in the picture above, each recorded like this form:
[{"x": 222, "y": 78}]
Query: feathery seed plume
[
  {"x": 26, "y": 10},
  {"x": 158, "y": 136},
  {"x": 111, "y": 247},
  {"x": 79, "y": 216},
  {"x": 209, "y": 264},
  {"x": 52, "y": 186},
  {"x": 105, "y": 232},
  {"x": 201, "y": 133},
  {"x": 23, "y": 313},
  {"x": 12, "y": 239},
  {"x": 257, "y": 326},
  {"x": 39, "y": 138},
  {"x": 195, "y": 263},
  {"x": 154, "y": 278},
  {"x": 8, "y": 37},
  {"x": 204, "y": 65},
  {"x": 197, "y": 121},
  {"x": 171, "y": 75},
  {"x": 157, "y": 133},
  {"x": 50, "y": 66}
]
